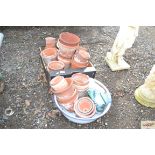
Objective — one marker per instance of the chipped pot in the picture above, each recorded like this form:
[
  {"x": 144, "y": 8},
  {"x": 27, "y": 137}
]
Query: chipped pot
[
  {"x": 49, "y": 54},
  {"x": 50, "y": 42},
  {"x": 56, "y": 65},
  {"x": 69, "y": 39},
  {"x": 85, "y": 107},
  {"x": 58, "y": 84},
  {"x": 66, "y": 61}
]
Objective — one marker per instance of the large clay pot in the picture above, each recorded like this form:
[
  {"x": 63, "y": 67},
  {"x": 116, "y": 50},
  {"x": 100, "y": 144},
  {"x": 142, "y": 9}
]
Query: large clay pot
[
  {"x": 49, "y": 54},
  {"x": 50, "y": 42},
  {"x": 81, "y": 83},
  {"x": 66, "y": 53},
  {"x": 58, "y": 84},
  {"x": 69, "y": 39},
  {"x": 56, "y": 65},
  {"x": 67, "y": 82}
]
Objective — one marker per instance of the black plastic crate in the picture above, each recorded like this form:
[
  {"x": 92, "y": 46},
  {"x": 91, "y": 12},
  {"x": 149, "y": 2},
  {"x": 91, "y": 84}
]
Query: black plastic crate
[{"x": 90, "y": 71}]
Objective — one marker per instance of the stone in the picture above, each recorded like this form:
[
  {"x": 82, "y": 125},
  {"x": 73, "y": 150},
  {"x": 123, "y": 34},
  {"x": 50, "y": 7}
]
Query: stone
[
  {"x": 124, "y": 40},
  {"x": 145, "y": 94}
]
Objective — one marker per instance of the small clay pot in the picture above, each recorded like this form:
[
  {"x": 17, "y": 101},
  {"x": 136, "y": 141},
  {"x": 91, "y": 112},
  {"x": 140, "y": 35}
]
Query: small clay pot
[
  {"x": 80, "y": 79},
  {"x": 56, "y": 65},
  {"x": 50, "y": 42},
  {"x": 66, "y": 61},
  {"x": 59, "y": 91},
  {"x": 85, "y": 107},
  {"x": 58, "y": 83},
  {"x": 69, "y": 39},
  {"x": 49, "y": 54}
]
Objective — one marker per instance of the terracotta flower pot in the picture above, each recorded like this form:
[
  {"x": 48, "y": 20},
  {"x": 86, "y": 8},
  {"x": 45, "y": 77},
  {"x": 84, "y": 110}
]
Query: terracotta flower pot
[
  {"x": 56, "y": 65},
  {"x": 66, "y": 48},
  {"x": 60, "y": 90},
  {"x": 69, "y": 39},
  {"x": 67, "y": 93},
  {"x": 82, "y": 55},
  {"x": 80, "y": 79},
  {"x": 58, "y": 84},
  {"x": 85, "y": 107},
  {"x": 66, "y": 54},
  {"x": 69, "y": 96},
  {"x": 50, "y": 42},
  {"x": 49, "y": 54},
  {"x": 75, "y": 64},
  {"x": 69, "y": 104},
  {"x": 66, "y": 61}
]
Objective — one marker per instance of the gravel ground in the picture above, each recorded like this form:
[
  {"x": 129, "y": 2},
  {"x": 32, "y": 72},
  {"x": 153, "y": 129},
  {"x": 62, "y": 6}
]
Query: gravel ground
[{"x": 26, "y": 90}]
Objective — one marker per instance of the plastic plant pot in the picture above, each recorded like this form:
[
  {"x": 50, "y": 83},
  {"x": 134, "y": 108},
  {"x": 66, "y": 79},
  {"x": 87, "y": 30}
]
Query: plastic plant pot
[
  {"x": 69, "y": 39},
  {"x": 49, "y": 54},
  {"x": 58, "y": 83},
  {"x": 56, "y": 65},
  {"x": 50, "y": 42}
]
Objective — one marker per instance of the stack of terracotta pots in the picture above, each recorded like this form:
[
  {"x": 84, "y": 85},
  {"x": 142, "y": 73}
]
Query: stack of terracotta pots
[
  {"x": 85, "y": 108},
  {"x": 65, "y": 92},
  {"x": 80, "y": 59},
  {"x": 67, "y": 44},
  {"x": 81, "y": 83},
  {"x": 50, "y": 52}
]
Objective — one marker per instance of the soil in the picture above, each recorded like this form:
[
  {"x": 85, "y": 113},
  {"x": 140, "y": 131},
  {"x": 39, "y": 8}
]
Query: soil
[{"x": 26, "y": 89}]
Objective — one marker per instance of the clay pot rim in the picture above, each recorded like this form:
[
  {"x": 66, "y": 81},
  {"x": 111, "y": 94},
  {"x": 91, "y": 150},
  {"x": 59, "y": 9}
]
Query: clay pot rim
[
  {"x": 61, "y": 45},
  {"x": 70, "y": 83},
  {"x": 81, "y": 115},
  {"x": 63, "y": 37},
  {"x": 58, "y": 62},
  {"x": 77, "y": 82},
  {"x": 53, "y": 48},
  {"x": 60, "y": 77},
  {"x": 83, "y": 100}
]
